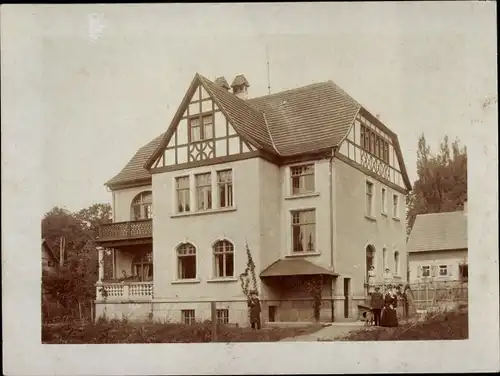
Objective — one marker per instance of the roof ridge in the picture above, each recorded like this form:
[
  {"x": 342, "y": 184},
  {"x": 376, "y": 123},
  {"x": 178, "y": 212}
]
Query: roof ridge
[{"x": 288, "y": 90}]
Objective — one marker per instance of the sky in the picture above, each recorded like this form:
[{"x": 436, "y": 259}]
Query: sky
[{"x": 112, "y": 76}]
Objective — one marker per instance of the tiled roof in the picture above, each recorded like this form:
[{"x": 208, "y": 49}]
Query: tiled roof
[
  {"x": 134, "y": 170},
  {"x": 289, "y": 267},
  {"x": 292, "y": 122},
  {"x": 438, "y": 231},
  {"x": 308, "y": 118}
]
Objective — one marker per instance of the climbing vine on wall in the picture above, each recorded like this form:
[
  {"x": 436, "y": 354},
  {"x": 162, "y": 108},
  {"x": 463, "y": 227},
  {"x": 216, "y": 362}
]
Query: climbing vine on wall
[{"x": 248, "y": 275}]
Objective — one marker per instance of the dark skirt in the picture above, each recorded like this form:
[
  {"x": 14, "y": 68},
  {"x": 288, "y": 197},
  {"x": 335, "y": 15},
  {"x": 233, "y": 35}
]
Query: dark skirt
[{"x": 389, "y": 317}]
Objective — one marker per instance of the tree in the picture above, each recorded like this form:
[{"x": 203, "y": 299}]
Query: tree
[{"x": 441, "y": 184}]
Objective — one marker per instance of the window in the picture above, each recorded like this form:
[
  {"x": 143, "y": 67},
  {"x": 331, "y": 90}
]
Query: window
[
  {"x": 225, "y": 182},
  {"x": 224, "y": 259},
  {"x": 374, "y": 143},
  {"x": 443, "y": 270},
  {"x": 186, "y": 261},
  {"x": 384, "y": 259},
  {"x": 302, "y": 179},
  {"x": 303, "y": 231},
  {"x": 142, "y": 266},
  {"x": 426, "y": 271},
  {"x": 142, "y": 206},
  {"x": 223, "y": 316},
  {"x": 188, "y": 316},
  {"x": 204, "y": 191},
  {"x": 370, "y": 259},
  {"x": 384, "y": 201},
  {"x": 182, "y": 186},
  {"x": 395, "y": 206},
  {"x": 396, "y": 263},
  {"x": 201, "y": 128},
  {"x": 369, "y": 199}
]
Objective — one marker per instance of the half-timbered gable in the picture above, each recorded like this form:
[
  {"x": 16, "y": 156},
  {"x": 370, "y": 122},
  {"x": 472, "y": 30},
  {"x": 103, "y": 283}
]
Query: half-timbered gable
[{"x": 373, "y": 147}]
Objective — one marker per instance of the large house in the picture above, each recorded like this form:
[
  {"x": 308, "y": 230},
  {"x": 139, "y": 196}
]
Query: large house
[
  {"x": 437, "y": 247},
  {"x": 307, "y": 180}
]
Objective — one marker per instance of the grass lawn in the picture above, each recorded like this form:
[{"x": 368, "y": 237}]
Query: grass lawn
[
  {"x": 442, "y": 326},
  {"x": 116, "y": 331}
]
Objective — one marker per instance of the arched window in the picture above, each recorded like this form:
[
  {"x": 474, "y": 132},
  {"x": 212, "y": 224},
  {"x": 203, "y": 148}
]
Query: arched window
[
  {"x": 186, "y": 261},
  {"x": 142, "y": 266},
  {"x": 142, "y": 206},
  {"x": 396, "y": 263},
  {"x": 224, "y": 259},
  {"x": 370, "y": 258}
]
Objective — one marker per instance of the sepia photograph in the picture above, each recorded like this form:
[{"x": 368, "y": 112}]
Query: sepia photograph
[{"x": 295, "y": 174}]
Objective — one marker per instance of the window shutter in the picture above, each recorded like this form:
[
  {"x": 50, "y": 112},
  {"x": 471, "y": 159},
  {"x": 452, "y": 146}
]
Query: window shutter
[
  {"x": 433, "y": 270},
  {"x": 449, "y": 270},
  {"x": 419, "y": 271}
]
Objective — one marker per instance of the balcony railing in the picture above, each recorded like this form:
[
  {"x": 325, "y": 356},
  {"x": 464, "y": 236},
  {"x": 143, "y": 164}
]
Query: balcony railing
[
  {"x": 126, "y": 230},
  {"x": 112, "y": 291}
]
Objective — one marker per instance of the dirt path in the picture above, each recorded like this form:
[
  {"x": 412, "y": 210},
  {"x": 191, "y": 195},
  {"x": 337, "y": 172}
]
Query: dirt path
[{"x": 329, "y": 333}]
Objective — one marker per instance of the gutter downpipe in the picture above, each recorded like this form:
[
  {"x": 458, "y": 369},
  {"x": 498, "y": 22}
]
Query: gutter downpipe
[{"x": 334, "y": 151}]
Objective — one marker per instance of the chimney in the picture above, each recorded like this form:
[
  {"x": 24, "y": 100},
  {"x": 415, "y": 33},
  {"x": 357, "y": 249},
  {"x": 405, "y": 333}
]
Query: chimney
[
  {"x": 221, "y": 81},
  {"x": 240, "y": 86}
]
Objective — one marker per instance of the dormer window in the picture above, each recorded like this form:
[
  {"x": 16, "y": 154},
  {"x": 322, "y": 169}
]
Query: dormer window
[{"x": 142, "y": 206}]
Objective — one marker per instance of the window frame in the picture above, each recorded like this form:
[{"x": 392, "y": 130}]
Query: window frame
[
  {"x": 228, "y": 192},
  {"x": 202, "y": 125},
  {"x": 177, "y": 192},
  {"x": 293, "y": 225},
  {"x": 423, "y": 268},
  {"x": 368, "y": 183},
  {"x": 145, "y": 258},
  {"x": 445, "y": 268},
  {"x": 222, "y": 316},
  {"x": 143, "y": 205},
  {"x": 201, "y": 189},
  {"x": 188, "y": 316},
  {"x": 228, "y": 249},
  {"x": 395, "y": 206},
  {"x": 302, "y": 178},
  {"x": 383, "y": 200},
  {"x": 179, "y": 257}
]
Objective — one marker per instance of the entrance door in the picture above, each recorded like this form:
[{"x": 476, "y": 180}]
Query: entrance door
[
  {"x": 347, "y": 283},
  {"x": 272, "y": 313}
]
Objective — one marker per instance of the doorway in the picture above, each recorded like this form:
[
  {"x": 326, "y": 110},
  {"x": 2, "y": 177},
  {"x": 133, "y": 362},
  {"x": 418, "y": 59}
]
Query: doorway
[
  {"x": 272, "y": 313},
  {"x": 347, "y": 288}
]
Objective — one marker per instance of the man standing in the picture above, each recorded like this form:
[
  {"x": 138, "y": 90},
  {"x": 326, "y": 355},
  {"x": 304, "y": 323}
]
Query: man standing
[
  {"x": 254, "y": 305},
  {"x": 377, "y": 302}
]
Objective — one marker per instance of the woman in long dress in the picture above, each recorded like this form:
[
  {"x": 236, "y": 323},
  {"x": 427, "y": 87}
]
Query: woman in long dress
[{"x": 389, "y": 316}]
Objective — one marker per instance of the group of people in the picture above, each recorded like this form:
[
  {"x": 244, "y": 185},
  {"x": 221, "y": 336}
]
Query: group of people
[{"x": 384, "y": 306}]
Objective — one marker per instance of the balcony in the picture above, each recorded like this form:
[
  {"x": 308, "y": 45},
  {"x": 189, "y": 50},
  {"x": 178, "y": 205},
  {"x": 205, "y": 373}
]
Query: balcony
[{"x": 126, "y": 233}]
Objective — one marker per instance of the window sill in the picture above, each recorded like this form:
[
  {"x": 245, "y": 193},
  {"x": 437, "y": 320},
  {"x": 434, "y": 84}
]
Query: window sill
[
  {"x": 185, "y": 281},
  {"x": 396, "y": 219},
  {"x": 202, "y": 212},
  {"x": 303, "y": 254},
  {"x": 222, "y": 280},
  {"x": 369, "y": 217},
  {"x": 302, "y": 195}
]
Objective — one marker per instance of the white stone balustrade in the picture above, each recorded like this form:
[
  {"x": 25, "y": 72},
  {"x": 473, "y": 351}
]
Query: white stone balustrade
[{"x": 124, "y": 291}]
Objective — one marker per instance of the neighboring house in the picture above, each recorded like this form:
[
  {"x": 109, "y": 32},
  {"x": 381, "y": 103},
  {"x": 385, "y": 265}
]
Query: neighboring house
[
  {"x": 49, "y": 261},
  {"x": 437, "y": 247},
  {"x": 308, "y": 178}
]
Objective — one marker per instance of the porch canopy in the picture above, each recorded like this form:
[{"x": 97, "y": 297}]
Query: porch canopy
[{"x": 294, "y": 267}]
